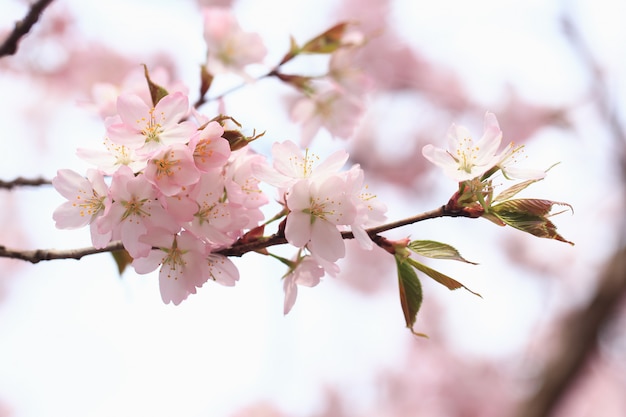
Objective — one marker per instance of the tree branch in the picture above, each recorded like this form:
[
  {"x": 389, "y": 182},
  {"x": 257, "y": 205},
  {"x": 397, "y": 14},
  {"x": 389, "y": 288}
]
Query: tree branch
[
  {"x": 24, "y": 182},
  {"x": 237, "y": 249},
  {"x": 22, "y": 27},
  {"x": 579, "y": 340}
]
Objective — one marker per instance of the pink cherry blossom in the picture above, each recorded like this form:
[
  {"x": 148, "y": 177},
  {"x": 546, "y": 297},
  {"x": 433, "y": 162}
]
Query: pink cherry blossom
[
  {"x": 104, "y": 95},
  {"x": 316, "y": 208},
  {"x": 147, "y": 129},
  {"x": 242, "y": 183},
  {"x": 172, "y": 168},
  {"x": 221, "y": 269},
  {"x": 182, "y": 260},
  {"x": 114, "y": 157},
  {"x": 210, "y": 149},
  {"x": 88, "y": 199},
  {"x": 343, "y": 71},
  {"x": 307, "y": 272},
  {"x": 230, "y": 49},
  {"x": 133, "y": 212},
  {"x": 508, "y": 160},
  {"x": 464, "y": 159},
  {"x": 331, "y": 109},
  {"x": 213, "y": 219},
  {"x": 369, "y": 210},
  {"x": 291, "y": 164}
]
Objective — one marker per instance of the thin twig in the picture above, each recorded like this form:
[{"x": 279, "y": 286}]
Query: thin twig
[
  {"x": 22, "y": 27},
  {"x": 237, "y": 249},
  {"x": 24, "y": 182}
]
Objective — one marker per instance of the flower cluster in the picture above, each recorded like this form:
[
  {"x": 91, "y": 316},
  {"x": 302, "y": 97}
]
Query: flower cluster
[
  {"x": 176, "y": 193},
  {"x": 321, "y": 200}
]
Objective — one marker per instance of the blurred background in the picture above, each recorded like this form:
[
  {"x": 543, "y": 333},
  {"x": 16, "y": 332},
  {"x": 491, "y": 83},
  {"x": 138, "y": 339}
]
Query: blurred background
[{"x": 548, "y": 338}]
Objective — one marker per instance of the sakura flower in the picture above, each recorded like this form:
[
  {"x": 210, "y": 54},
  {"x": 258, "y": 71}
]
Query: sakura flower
[
  {"x": 146, "y": 129},
  {"x": 343, "y": 71},
  {"x": 291, "y": 165},
  {"x": 307, "y": 272},
  {"x": 88, "y": 199},
  {"x": 114, "y": 157},
  {"x": 242, "y": 184},
  {"x": 464, "y": 159},
  {"x": 316, "y": 208},
  {"x": 509, "y": 160},
  {"x": 210, "y": 149},
  {"x": 222, "y": 270},
  {"x": 213, "y": 219},
  {"x": 104, "y": 95},
  {"x": 134, "y": 211},
  {"x": 332, "y": 109},
  {"x": 171, "y": 169},
  {"x": 230, "y": 49},
  {"x": 369, "y": 211},
  {"x": 182, "y": 260}
]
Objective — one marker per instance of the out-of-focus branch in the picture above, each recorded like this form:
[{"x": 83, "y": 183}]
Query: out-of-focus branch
[
  {"x": 22, "y": 27},
  {"x": 237, "y": 249},
  {"x": 579, "y": 339},
  {"x": 24, "y": 182},
  {"x": 580, "y": 330}
]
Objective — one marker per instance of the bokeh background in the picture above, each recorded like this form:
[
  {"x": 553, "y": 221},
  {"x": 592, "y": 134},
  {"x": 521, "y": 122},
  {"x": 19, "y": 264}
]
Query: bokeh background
[{"x": 548, "y": 336}]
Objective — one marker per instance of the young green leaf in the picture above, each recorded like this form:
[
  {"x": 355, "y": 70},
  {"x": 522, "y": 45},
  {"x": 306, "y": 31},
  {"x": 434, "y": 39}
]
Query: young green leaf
[
  {"x": 436, "y": 250},
  {"x": 530, "y": 216},
  {"x": 443, "y": 279},
  {"x": 326, "y": 42},
  {"x": 410, "y": 292},
  {"x": 122, "y": 259}
]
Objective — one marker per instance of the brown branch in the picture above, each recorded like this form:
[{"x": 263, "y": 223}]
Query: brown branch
[
  {"x": 24, "y": 182},
  {"x": 237, "y": 249},
  {"x": 35, "y": 256},
  {"x": 579, "y": 340},
  {"x": 22, "y": 27}
]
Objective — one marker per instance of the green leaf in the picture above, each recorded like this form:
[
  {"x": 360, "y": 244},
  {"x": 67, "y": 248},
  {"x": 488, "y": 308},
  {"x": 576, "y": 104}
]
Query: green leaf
[
  {"x": 436, "y": 250},
  {"x": 294, "y": 50},
  {"x": 511, "y": 191},
  {"x": 443, "y": 279},
  {"x": 156, "y": 91},
  {"x": 410, "y": 293},
  {"x": 530, "y": 216},
  {"x": 122, "y": 259},
  {"x": 327, "y": 42}
]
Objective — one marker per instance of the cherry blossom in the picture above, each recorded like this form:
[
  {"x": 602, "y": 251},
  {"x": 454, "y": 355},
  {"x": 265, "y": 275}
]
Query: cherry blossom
[
  {"x": 230, "y": 49},
  {"x": 210, "y": 149},
  {"x": 133, "y": 212},
  {"x": 171, "y": 169},
  {"x": 464, "y": 159},
  {"x": 182, "y": 260},
  {"x": 146, "y": 129},
  {"x": 369, "y": 210},
  {"x": 509, "y": 159},
  {"x": 88, "y": 199},
  {"x": 307, "y": 272},
  {"x": 213, "y": 219},
  {"x": 115, "y": 156},
  {"x": 331, "y": 109},
  {"x": 221, "y": 269},
  {"x": 291, "y": 165},
  {"x": 316, "y": 208}
]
